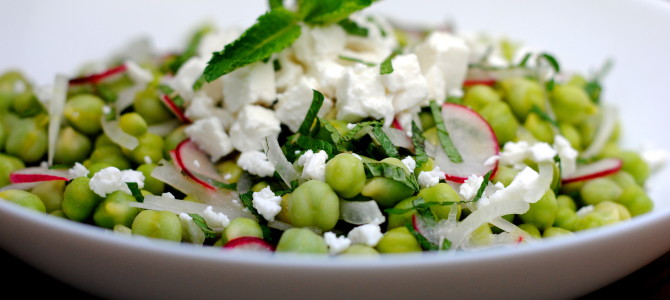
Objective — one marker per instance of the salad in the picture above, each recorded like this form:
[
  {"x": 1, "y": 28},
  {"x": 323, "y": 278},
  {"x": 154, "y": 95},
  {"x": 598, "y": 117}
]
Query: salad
[{"x": 321, "y": 129}]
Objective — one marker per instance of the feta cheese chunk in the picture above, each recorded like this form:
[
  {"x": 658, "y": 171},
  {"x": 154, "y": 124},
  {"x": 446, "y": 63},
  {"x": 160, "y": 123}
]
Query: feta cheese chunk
[
  {"x": 267, "y": 203},
  {"x": 444, "y": 62},
  {"x": 111, "y": 179},
  {"x": 78, "y": 170},
  {"x": 290, "y": 71},
  {"x": 186, "y": 76},
  {"x": 209, "y": 135},
  {"x": 319, "y": 42},
  {"x": 254, "y": 83},
  {"x": 293, "y": 104},
  {"x": 410, "y": 163},
  {"x": 406, "y": 85},
  {"x": 252, "y": 125},
  {"x": 215, "y": 41},
  {"x": 202, "y": 106},
  {"x": 377, "y": 45},
  {"x": 256, "y": 163},
  {"x": 336, "y": 244},
  {"x": 361, "y": 94},
  {"x": 217, "y": 221},
  {"x": 368, "y": 234},
  {"x": 430, "y": 178},
  {"x": 314, "y": 165},
  {"x": 470, "y": 187},
  {"x": 567, "y": 154}
]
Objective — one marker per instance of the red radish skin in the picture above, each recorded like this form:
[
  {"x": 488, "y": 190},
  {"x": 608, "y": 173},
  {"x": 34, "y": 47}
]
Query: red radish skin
[
  {"x": 396, "y": 124},
  {"x": 25, "y": 178},
  {"x": 601, "y": 168},
  {"x": 95, "y": 78},
  {"x": 247, "y": 243},
  {"x": 471, "y": 82},
  {"x": 175, "y": 109},
  {"x": 178, "y": 154}
]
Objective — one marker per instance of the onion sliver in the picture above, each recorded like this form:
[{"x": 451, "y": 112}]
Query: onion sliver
[
  {"x": 603, "y": 133},
  {"x": 398, "y": 137},
  {"x": 283, "y": 167},
  {"x": 56, "y": 106},
  {"x": 361, "y": 212},
  {"x": 162, "y": 203},
  {"x": 117, "y": 135}
]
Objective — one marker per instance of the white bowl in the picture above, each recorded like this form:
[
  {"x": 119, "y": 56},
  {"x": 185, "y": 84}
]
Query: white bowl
[{"x": 582, "y": 34}]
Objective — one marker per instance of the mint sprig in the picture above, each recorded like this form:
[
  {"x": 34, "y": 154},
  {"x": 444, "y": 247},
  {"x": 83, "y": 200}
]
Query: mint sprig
[
  {"x": 321, "y": 12},
  {"x": 442, "y": 134}
]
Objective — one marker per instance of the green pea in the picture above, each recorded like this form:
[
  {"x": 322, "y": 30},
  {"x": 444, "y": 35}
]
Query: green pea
[
  {"x": 71, "y": 146},
  {"x": 426, "y": 119},
  {"x": 150, "y": 149},
  {"x": 111, "y": 155},
  {"x": 148, "y": 104},
  {"x": 635, "y": 166},
  {"x": 12, "y": 84},
  {"x": 522, "y": 95},
  {"x": 84, "y": 112},
  {"x": 502, "y": 121},
  {"x": 596, "y": 219},
  {"x": 28, "y": 139},
  {"x": 617, "y": 209},
  {"x": 623, "y": 179},
  {"x": 26, "y": 104},
  {"x": 543, "y": 212},
  {"x": 531, "y": 230},
  {"x": 132, "y": 123},
  {"x": 314, "y": 203},
  {"x": 301, "y": 240},
  {"x": 359, "y": 249},
  {"x": 115, "y": 210},
  {"x": 440, "y": 193},
  {"x": 58, "y": 213},
  {"x": 556, "y": 231},
  {"x": 345, "y": 175},
  {"x": 51, "y": 193},
  {"x": 636, "y": 200},
  {"x": 570, "y": 133},
  {"x": 540, "y": 129},
  {"x": 79, "y": 201},
  {"x": 230, "y": 171},
  {"x": 173, "y": 139},
  {"x": 571, "y": 104},
  {"x": 587, "y": 130},
  {"x": 566, "y": 218},
  {"x": 151, "y": 184},
  {"x": 566, "y": 201},
  {"x": 427, "y": 166},
  {"x": 157, "y": 224},
  {"x": 478, "y": 96},
  {"x": 399, "y": 220},
  {"x": 482, "y": 236},
  {"x": 94, "y": 167},
  {"x": 398, "y": 240},
  {"x": 283, "y": 214},
  {"x": 240, "y": 227},
  {"x": 504, "y": 175},
  {"x": 598, "y": 190},
  {"x": 8, "y": 164},
  {"x": 103, "y": 140},
  {"x": 24, "y": 199},
  {"x": 577, "y": 80},
  {"x": 259, "y": 186},
  {"x": 387, "y": 192},
  {"x": 3, "y": 133}
]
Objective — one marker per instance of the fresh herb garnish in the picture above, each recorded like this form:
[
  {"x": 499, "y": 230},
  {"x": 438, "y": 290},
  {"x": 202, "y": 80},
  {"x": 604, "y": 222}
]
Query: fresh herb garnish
[
  {"x": 482, "y": 187},
  {"x": 247, "y": 200},
  {"x": 276, "y": 65},
  {"x": 543, "y": 115},
  {"x": 385, "y": 142},
  {"x": 275, "y": 4},
  {"x": 200, "y": 221},
  {"x": 524, "y": 60},
  {"x": 135, "y": 190},
  {"x": 353, "y": 28},
  {"x": 443, "y": 135},
  {"x": 418, "y": 141},
  {"x": 317, "y": 101},
  {"x": 380, "y": 169},
  {"x": 357, "y": 60},
  {"x": 387, "y": 65},
  {"x": 321, "y": 12}
]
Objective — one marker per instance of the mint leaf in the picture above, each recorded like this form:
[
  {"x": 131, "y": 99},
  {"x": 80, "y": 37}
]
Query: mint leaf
[
  {"x": 387, "y": 66},
  {"x": 320, "y": 12},
  {"x": 422, "y": 240},
  {"x": 272, "y": 32},
  {"x": 543, "y": 115},
  {"x": 135, "y": 190},
  {"x": 274, "y": 4},
  {"x": 551, "y": 60},
  {"x": 482, "y": 187},
  {"x": 357, "y": 60},
  {"x": 524, "y": 60},
  {"x": 385, "y": 142},
  {"x": 418, "y": 141},
  {"x": 443, "y": 135},
  {"x": 200, "y": 221},
  {"x": 307, "y": 142},
  {"x": 317, "y": 101},
  {"x": 380, "y": 169},
  {"x": 353, "y": 28}
]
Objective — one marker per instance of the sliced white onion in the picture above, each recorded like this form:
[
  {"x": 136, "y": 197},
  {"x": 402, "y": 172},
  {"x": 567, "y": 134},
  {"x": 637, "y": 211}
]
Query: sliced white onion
[
  {"x": 283, "y": 167},
  {"x": 56, "y": 106},
  {"x": 165, "y": 128},
  {"x": 127, "y": 97},
  {"x": 361, "y": 212},
  {"x": 605, "y": 128},
  {"x": 118, "y": 136},
  {"x": 162, "y": 203},
  {"x": 399, "y": 138}
]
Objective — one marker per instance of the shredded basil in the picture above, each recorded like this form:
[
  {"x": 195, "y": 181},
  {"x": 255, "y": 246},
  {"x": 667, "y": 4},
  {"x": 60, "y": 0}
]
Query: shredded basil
[
  {"x": 200, "y": 221},
  {"x": 387, "y": 65},
  {"x": 353, "y": 28},
  {"x": 385, "y": 142},
  {"x": 482, "y": 187},
  {"x": 135, "y": 190},
  {"x": 317, "y": 101},
  {"x": 380, "y": 169},
  {"x": 248, "y": 202},
  {"x": 418, "y": 141},
  {"x": 543, "y": 115},
  {"x": 443, "y": 135},
  {"x": 357, "y": 60}
]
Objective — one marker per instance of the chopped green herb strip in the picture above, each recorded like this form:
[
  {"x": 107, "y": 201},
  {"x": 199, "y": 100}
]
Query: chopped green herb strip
[
  {"x": 524, "y": 60},
  {"x": 190, "y": 50},
  {"x": 454, "y": 99},
  {"x": 319, "y": 12},
  {"x": 200, "y": 221},
  {"x": 385, "y": 142},
  {"x": 543, "y": 115},
  {"x": 178, "y": 101},
  {"x": 593, "y": 89},
  {"x": 135, "y": 190},
  {"x": 275, "y": 3},
  {"x": 307, "y": 142},
  {"x": 443, "y": 135},
  {"x": 272, "y": 32},
  {"x": 551, "y": 60},
  {"x": 197, "y": 85},
  {"x": 327, "y": 132},
  {"x": 557, "y": 160},
  {"x": 381, "y": 29},
  {"x": 59, "y": 167},
  {"x": 357, "y": 60},
  {"x": 387, "y": 65},
  {"x": 482, "y": 187},
  {"x": 423, "y": 241},
  {"x": 165, "y": 89},
  {"x": 550, "y": 84},
  {"x": 353, "y": 28},
  {"x": 317, "y": 101},
  {"x": 418, "y": 141},
  {"x": 219, "y": 184},
  {"x": 276, "y": 65},
  {"x": 423, "y": 211},
  {"x": 380, "y": 169}
]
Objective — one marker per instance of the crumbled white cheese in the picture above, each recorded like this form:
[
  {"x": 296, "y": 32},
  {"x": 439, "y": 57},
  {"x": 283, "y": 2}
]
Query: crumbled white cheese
[
  {"x": 137, "y": 73},
  {"x": 368, "y": 234},
  {"x": 78, "y": 170},
  {"x": 190, "y": 231},
  {"x": 147, "y": 160},
  {"x": 168, "y": 195},
  {"x": 318, "y": 43},
  {"x": 314, "y": 165},
  {"x": 254, "y": 83},
  {"x": 567, "y": 154},
  {"x": 327, "y": 73},
  {"x": 111, "y": 179},
  {"x": 351, "y": 126},
  {"x": 542, "y": 152},
  {"x": 377, "y": 45},
  {"x": 209, "y": 135},
  {"x": 214, "y": 41},
  {"x": 524, "y": 181},
  {"x": 406, "y": 85},
  {"x": 290, "y": 71},
  {"x": 217, "y": 221},
  {"x": 468, "y": 190},
  {"x": 514, "y": 153},
  {"x": 293, "y": 104},
  {"x": 336, "y": 244},
  {"x": 252, "y": 125},
  {"x": 430, "y": 178},
  {"x": 361, "y": 94},
  {"x": 256, "y": 163},
  {"x": 410, "y": 163},
  {"x": 186, "y": 76},
  {"x": 444, "y": 62},
  {"x": 267, "y": 203}
]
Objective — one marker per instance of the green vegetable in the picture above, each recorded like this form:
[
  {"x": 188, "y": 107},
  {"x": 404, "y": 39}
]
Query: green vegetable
[{"x": 443, "y": 135}]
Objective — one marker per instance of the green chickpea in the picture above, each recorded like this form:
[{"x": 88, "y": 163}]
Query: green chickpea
[
  {"x": 84, "y": 112},
  {"x": 619, "y": 210},
  {"x": 439, "y": 193},
  {"x": 26, "y": 104},
  {"x": 398, "y": 240},
  {"x": 12, "y": 84},
  {"x": 24, "y": 199},
  {"x": 133, "y": 124},
  {"x": 151, "y": 184},
  {"x": 570, "y": 133},
  {"x": 635, "y": 200},
  {"x": 28, "y": 139},
  {"x": 51, "y": 193},
  {"x": 240, "y": 227},
  {"x": 148, "y": 104},
  {"x": 540, "y": 129},
  {"x": 587, "y": 130},
  {"x": 566, "y": 218},
  {"x": 58, "y": 213},
  {"x": 571, "y": 104},
  {"x": 598, "y": 190},
  {"x": 522, "y": 94},
  {"x": 157, "y": 224},
  {"x": 115, "y": 210},
  {"x": 478, "y": 96},
  {"x": 8, "y": 164},
  {"x": 543, "y": 212},
  {"x": 556, "y": 231},
  {"x": 345, "y": 175},
  {"x": 314, "y": 203},
  {"x": 502, "y": 121},
  {"x": 94, "y": 167},
  {"x": 111, "y": 155},
  {"x": 79, "y": 201},
  {"x": 577, "y": 80},
  {"x": 71, "y": 146},
  {"x": 301, "y": 240},
  {"x": 566, "y": 201},
  {"x": 359, "y": 249},
  {"x": 531, "y": 230},
  {"x": 596, "y": 219},
  {"x": 150, "y": 149}
]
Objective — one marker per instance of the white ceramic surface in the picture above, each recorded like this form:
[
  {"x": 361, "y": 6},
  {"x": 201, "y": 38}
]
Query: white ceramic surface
[{"x": 47, "y": 37}]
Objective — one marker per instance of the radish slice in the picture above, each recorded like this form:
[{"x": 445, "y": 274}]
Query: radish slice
[
  {"x": 194, "y": 162},
  {"x": 474, "y": 139},
  {"x": 95, "y": 78},
  {"x": 176, "y": 110},
  {"x": 361, "y": 212},
  {"x": 471, "y": 82},
  {"x": 25, "y": 178},
  {"x": 396, "y": 124},
  {"x": 399, "y": 138},
  {"x": 249, "y": 243},
  {"x": 56, "y": 106},
  {"x": 603, "y": 167}
]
